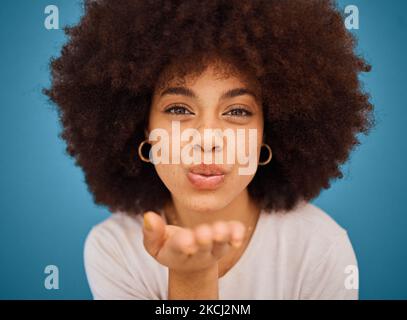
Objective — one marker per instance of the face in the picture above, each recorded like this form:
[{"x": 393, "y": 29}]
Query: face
[{"x": 197, "y": 105}]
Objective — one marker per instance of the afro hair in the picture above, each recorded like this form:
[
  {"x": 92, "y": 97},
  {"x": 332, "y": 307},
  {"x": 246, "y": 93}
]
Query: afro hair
[{"x": 298, "y": 54}]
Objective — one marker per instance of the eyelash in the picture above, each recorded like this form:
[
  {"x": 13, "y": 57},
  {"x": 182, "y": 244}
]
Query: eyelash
[
  {"x": 247, "y": 112},
  {"x": 180, "y": 107},
  {"x": 177, "y": 107}
]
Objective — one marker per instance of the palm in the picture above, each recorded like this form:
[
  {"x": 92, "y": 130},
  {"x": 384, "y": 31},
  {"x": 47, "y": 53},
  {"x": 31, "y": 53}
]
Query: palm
[{"x": 187, "y": 249}]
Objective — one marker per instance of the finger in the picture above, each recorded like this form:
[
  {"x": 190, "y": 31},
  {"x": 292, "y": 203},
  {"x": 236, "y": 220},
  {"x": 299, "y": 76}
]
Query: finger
[
  {"x": 183, "y": 242},
  {"x": 221, "y": 238},
  {"x": 203, "y": 235},
  {"x": 238, "y": 231},
  {"x": 154, "y": 232}
]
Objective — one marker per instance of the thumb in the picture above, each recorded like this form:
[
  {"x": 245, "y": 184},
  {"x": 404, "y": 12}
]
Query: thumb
[{"x": 154, "y": 232}]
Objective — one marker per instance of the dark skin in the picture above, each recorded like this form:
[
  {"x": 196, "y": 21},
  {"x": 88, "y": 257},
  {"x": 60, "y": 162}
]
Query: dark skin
[{"x": 213, "y": 231}]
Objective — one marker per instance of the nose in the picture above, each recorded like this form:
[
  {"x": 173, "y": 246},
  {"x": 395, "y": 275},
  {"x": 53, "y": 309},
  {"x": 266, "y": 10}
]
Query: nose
[
  {"x": 207, "y": 146},
  {"x": 211, "y": 137}
]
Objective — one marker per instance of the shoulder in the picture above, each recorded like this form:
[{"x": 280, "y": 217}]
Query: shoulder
[
  {"x": 117, "y": 240},
  {"x": 116, "y": 263},
  {"x": 110, "y": 235},
  {"x": 120, "y": 232},
  {"x": 307, "y": 220},
  {"x": 307, "y": 229},
  {"x": 316, "y": 249},
  {"x": 117, "y": 224}
]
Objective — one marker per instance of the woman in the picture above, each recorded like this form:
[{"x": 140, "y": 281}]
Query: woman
[{"x": 285, "y": 70}]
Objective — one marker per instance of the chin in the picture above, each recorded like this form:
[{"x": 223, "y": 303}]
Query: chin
[{"x": 204, "y": 201}]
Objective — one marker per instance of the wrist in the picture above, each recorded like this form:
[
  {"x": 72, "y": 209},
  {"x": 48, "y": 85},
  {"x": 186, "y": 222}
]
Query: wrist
[
  {"x": 196, "y": 284},
  {"x": 204, "y": 272}
]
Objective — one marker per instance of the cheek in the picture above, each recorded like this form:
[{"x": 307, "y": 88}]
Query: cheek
[
  {"x": 171, "y": 175},
  {"x": 253, "y": 134},
  {"x": 238, "y": 182}
]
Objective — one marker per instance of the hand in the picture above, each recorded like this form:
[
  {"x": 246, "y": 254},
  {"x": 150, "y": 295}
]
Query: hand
[{"x": 190, "y": 250}]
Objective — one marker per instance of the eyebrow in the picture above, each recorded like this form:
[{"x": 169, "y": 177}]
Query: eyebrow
[{"x": 191, "y": 94}]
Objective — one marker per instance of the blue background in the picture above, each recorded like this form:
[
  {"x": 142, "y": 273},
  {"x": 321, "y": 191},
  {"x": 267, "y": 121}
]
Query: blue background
[{"x": 46, "y": 210}]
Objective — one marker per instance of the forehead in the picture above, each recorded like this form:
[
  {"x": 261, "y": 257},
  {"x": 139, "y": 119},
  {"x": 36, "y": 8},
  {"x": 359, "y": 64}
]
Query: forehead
[{"x": 226, "y": 83}]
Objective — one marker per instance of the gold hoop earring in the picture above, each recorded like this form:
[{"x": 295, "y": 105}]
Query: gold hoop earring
[
  {"x": 269, "y": 157},
  {"x": 140, "y": 153}
]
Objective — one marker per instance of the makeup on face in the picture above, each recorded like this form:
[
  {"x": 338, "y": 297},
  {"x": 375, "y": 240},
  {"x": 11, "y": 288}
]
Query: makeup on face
[{"x": 206, "y": 176}]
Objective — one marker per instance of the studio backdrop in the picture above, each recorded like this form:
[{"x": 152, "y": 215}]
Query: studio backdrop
[{"x": 46, "y": 209}]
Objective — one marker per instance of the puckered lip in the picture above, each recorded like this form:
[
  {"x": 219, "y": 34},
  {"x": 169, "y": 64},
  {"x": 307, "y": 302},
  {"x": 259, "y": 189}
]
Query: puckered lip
[{"x": 208, "y": 169}]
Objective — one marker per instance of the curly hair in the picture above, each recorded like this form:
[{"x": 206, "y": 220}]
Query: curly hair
[{"x": 298, "y": 53}]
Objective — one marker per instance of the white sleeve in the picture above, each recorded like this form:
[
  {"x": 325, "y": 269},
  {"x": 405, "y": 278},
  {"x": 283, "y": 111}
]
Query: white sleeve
[
  {"x": 335, "y": 277},
  {"x": 106, "y": 271}
]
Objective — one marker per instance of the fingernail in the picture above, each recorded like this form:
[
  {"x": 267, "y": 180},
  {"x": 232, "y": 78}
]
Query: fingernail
[{"x": 147, "y": 223}]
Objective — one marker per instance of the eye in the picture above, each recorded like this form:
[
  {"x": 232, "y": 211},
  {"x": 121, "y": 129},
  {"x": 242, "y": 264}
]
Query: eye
[
  {"x": 238, "y": 112},
  {"x": 178, "y": 110}
]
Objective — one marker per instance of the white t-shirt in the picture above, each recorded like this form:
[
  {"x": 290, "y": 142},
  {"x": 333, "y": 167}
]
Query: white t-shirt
[{"x": 302, "y": 254}]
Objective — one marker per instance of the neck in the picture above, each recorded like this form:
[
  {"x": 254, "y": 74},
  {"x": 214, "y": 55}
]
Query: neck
[{"x": 242, "y": 208}]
